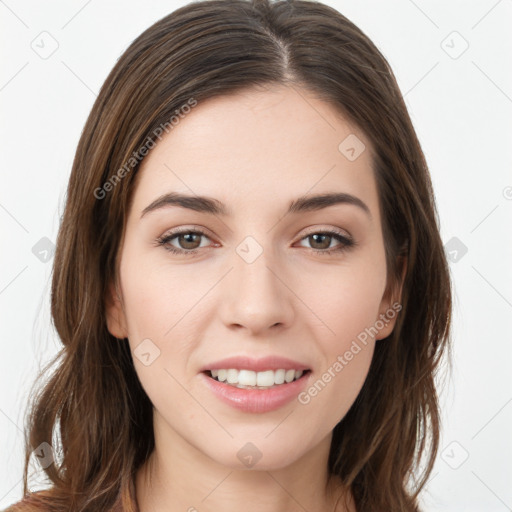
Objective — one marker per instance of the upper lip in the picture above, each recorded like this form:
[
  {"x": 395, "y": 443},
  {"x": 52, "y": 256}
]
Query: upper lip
[{"x": 256, "y": 365}]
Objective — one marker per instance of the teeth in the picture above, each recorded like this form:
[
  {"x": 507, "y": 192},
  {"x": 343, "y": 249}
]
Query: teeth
[
  {"x": 264, "y": 378},
  {"x": 232, "y": 376},
  {"x": 245, "y": 378},
  {"x": 248, "y": 378},
  {"x": 279, "y": 376}
]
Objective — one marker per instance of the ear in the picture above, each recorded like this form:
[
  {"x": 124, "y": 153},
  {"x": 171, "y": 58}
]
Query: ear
[
  {"x": 391, "y": 303},
  {"x": 116, "y": 319}
]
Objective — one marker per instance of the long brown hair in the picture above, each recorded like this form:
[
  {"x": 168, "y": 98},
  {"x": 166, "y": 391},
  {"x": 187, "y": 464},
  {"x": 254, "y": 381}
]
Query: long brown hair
[{"x": 92, "y": 404}]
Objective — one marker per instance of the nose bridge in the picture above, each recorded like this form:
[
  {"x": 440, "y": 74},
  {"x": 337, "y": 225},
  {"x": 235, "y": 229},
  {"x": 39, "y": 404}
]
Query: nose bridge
[{"x": 257, "y": 297}]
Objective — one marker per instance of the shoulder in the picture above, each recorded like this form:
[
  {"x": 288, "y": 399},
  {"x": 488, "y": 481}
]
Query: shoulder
[
  {"x": 41, "y": 501},
  {"x": 33, "y": 502}
]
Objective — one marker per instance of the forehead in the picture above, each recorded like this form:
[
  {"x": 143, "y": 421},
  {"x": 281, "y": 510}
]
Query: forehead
[{"x": 259, "y": 146}]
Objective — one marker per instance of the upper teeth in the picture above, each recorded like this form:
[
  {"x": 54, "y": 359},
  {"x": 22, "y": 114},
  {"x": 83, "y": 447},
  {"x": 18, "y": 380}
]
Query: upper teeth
[{"x": 250, "y": 378}]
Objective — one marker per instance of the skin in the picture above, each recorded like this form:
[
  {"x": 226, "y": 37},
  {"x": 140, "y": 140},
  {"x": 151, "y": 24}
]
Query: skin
[{"x": 255, "y": 152}]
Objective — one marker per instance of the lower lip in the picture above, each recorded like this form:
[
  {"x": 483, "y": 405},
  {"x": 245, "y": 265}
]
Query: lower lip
[{"x": 256, "y": 400}]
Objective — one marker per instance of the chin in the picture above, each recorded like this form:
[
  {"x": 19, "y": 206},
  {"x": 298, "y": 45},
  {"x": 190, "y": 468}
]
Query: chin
[{"x": 258, "y": 454}]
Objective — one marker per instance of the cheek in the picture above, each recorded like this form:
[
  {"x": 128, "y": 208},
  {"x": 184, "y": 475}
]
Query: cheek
[
  {"x": 158, "y": 305},
  {"x": 346, "y": 299},
  {"x": 156, "y": 297},
  {"x": 347, "y": 349},
  {"x": 333, "y": 391}
]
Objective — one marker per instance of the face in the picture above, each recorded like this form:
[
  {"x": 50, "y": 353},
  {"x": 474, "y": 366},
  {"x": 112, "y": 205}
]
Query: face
[{"x": 259, "y": 272}]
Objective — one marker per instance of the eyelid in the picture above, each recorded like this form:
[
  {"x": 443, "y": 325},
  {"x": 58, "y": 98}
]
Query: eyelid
[
  {"x": 186, "y": 229},
  {"x": 327, "y": 229}
]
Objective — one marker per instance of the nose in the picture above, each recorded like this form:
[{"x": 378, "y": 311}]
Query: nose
[{"x": 256, "y": 295}]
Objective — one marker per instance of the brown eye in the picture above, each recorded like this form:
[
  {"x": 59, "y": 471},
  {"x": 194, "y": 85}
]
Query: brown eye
[
  {"x": 184, "y": 242},
  {"x": 189, "y": 240},
  {"x": 320, "y": 241}
]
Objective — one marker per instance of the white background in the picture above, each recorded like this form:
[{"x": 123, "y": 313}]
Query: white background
[{"x": 460, "y": 108}]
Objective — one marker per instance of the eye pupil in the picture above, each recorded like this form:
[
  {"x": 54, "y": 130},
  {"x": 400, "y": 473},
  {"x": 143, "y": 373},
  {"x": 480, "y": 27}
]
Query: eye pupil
[
  {"x": 189, "y": 239},
  {"x": 322, "y": 237}
]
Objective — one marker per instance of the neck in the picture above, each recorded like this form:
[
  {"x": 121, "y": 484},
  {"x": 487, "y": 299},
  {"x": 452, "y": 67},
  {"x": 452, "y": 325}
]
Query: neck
[{"x": 179, "y": 477}]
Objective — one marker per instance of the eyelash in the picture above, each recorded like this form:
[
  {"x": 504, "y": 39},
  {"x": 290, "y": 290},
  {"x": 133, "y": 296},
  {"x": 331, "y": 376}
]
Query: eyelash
[{"x": 345, "y": 243}]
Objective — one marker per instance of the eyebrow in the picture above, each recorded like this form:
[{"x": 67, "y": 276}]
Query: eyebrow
[{"x": 213, "y": 206}]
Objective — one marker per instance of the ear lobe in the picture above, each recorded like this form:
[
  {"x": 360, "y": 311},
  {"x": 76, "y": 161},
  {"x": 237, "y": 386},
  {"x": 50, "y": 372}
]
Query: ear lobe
[
  {"x": 391, "y": 303},
  {"x": 116, "y": 319}
]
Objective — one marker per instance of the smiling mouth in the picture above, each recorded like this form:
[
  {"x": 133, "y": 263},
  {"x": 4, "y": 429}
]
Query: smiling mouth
[{"x": 248, "y": 379}]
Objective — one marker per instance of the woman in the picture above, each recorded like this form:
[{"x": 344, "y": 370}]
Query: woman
[{"x": 249, "y": 281}]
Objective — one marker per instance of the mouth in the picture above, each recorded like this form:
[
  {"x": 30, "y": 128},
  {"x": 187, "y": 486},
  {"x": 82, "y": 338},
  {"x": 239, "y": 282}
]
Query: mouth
[{"x": 248, "y": 379}]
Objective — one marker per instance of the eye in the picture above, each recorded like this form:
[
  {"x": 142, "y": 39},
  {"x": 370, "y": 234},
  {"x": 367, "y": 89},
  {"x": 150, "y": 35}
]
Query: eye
[
  {"x": 321, "y": 242},
  {"x": 188, "y": 240}
]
